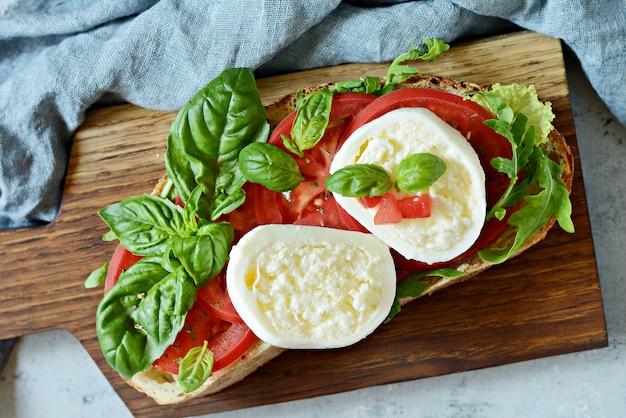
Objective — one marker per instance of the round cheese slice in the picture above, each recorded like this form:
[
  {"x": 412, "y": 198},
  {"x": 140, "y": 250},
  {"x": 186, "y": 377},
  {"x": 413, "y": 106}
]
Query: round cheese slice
[
  {"x": 308, "y": 287},
  {"x": 458, "y": 196}
]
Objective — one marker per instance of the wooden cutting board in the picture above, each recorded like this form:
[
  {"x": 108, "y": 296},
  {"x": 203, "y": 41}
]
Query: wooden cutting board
[{"x": 543, "y": 303}]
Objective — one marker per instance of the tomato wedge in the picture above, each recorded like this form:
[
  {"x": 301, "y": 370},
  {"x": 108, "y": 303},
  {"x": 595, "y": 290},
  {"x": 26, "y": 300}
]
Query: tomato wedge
[
  {"x": 212, "y": 318},
  {"x": 388, "y": 210},
  {"x": 418, "y": 206}
]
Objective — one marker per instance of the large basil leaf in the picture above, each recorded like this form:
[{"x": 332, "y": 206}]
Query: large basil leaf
[
  {"x": 204, "y": 254},
  {"x": 207, "y": 135},
  {"x": 142, "y": 314},
  {"x": 145, "y": 225}
]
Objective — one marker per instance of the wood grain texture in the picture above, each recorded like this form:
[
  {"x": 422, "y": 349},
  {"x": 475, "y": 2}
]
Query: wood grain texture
[{"x": 543, "y": 303}]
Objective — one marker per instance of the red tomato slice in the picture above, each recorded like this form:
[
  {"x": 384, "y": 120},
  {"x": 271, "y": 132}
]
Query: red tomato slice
[
  {"x": 216, "y": 300},
  {"x": 350, "y": 223},
  {"x": 200, "y": 325},
  {"x": 391, "y": 210},
  {"x": 231, "y": 345}
]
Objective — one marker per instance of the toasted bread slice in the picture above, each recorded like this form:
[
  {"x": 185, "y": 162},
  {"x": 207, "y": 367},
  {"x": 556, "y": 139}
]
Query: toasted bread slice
[{"x": 162, "y": 386}]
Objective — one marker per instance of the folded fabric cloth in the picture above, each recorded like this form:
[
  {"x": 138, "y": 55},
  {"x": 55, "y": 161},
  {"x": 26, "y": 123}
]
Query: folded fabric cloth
[{"x": 58, "y": 58}]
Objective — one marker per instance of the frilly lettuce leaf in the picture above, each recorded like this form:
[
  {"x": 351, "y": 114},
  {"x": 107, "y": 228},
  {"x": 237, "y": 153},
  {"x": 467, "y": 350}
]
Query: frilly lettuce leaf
[{"x": 521, "y": 99}]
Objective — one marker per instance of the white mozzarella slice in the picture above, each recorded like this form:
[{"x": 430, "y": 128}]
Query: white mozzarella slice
[
  {"x": 459, "y": 196},
  {"x": 311, "y": 287}
]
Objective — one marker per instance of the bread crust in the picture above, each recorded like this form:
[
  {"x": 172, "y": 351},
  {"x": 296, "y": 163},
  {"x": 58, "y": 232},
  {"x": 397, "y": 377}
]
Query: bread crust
[{"x": 162, "y": 386}]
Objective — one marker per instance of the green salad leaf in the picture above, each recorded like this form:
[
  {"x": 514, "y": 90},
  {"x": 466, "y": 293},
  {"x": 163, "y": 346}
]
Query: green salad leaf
[
  {"x": 519, "y": 99},
  {"x": 97, "y": 277},
  {"x": 419, "y": 171}
]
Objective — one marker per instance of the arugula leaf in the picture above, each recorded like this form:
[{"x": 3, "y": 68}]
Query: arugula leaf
[
  {"x": 522, "y": 145},
  {"x": 412, "y": 286},
  {"x": 142, "y": 314},
  {"x": 207, "y": 135},
  {"x": 536, "y": 168},
  {"x": 312, "y": 115},
  {"x": 359, "y": 180},
  {"x": 270, "y": 166},
  {"x": 195, "y": 368},
  {"x": 398, "y": 72},
  {"x": 552, "y": 200},
  {"x": 368, "y": 84}
]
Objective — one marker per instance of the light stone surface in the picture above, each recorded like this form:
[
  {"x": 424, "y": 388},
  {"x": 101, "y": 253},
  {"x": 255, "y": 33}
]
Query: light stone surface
[{"x": 51, "y": 375}]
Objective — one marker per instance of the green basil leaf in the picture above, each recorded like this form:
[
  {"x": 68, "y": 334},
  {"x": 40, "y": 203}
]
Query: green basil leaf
[
  {"x": 195, "y": 368},
  {"x": 207, "y": 135},
  {"x": 226, "y": 203},
  {"x": 145, "y": 225},
  {"x": 190, "y": 211},
  {"x": 161, "y": 313},
  {"x": 97, "y": 277},
  {"x": 419, "y": 171},
  {"x": 132, "y": 334},
  {"x": 204, "y": 254},
  {"x": 359, "y": 180},
  {"x": 311, "y": 119},
  {"x": 270, "y": 166},
  {"x": 291, "y": 146}
]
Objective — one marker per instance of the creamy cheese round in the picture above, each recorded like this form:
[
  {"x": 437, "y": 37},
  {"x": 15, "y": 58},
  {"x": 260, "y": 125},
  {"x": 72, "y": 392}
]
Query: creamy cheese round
[
  {"x": 458, "y": 196},
  {"x": 311, "y": 287}
]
